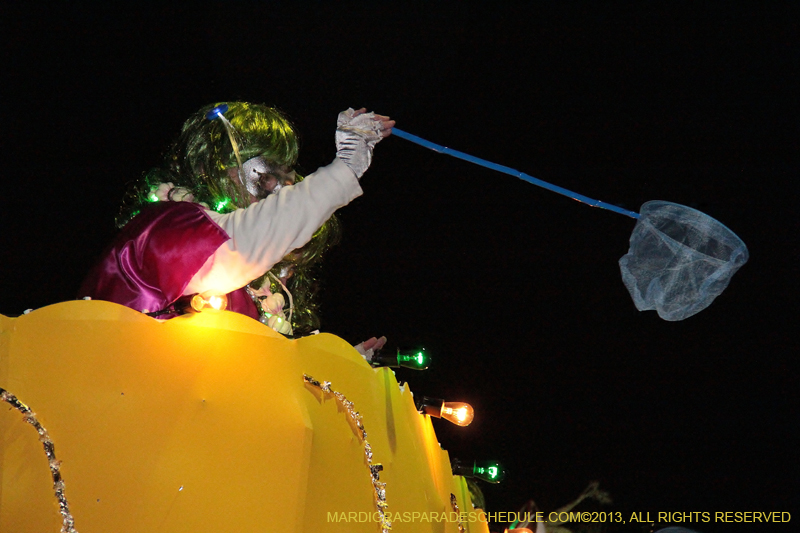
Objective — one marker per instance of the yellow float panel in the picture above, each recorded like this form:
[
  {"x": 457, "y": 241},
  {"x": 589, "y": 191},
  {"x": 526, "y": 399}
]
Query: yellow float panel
[{"x": 205, "y": 423}]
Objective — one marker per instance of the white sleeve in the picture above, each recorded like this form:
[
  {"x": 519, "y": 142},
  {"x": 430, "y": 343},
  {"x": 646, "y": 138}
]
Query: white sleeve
[{"x": 263, "y": 233}]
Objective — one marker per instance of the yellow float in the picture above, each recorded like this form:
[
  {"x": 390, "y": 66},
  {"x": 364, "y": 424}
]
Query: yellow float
[{"x": 210, "y": 422}]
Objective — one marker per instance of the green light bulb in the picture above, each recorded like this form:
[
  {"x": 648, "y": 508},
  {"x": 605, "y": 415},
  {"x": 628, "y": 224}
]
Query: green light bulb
[
  {"x": 221, "y": 204},
  {"x": 490, "y": 471},
  {"x": 414, "y": 359}
]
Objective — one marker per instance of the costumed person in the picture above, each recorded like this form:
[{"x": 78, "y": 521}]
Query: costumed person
[{"x": 227, "y": 215}]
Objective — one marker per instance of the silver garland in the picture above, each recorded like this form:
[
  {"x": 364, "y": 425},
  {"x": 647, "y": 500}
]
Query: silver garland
[
  {"x": 454, "y": 505},
  {"x": 68, "y": 524},
  {"x": 374, "y": 469}
]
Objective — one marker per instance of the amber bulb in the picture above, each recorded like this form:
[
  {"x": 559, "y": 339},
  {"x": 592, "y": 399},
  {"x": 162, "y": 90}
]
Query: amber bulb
[
  {"x": 214, "y": 301},
  {"x": 459, "y": 413},
  {"x": 219, "y": 303}
]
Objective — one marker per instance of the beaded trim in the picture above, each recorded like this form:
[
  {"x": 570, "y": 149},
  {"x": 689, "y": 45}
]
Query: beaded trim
[
  {"x": 68, "y": 525},
  {"x": 374, "y": 468}
]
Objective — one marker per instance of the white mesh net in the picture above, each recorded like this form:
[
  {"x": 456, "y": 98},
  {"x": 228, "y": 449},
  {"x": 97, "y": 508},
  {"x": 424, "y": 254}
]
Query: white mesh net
[{"x": 679, "y": 260}]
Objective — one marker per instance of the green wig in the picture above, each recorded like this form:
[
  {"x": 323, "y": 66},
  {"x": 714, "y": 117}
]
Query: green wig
[{"x": 200, "y": 161}]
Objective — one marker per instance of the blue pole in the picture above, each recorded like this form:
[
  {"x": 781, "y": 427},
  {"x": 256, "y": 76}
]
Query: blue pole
[{"x": 507, "y": 170}]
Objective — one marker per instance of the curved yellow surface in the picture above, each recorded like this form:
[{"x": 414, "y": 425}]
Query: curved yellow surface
[{"x": 204, "y": 423}]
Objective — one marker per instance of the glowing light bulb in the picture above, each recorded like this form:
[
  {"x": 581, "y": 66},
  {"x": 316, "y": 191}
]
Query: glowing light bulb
[
  {"x": 219, "y": 206},
  {"x": 414, "y": 359},
  {"x": 489, "y": 471},
  {"x": 459, "y": 413},
  {"x": 214, "y": 301},
  {"x": 218, "y": 302}
]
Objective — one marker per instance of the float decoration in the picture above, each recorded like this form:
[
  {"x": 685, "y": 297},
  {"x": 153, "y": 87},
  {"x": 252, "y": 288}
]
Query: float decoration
[
  {"x": 375, "y": 469},
  {"x": 459, "y": 413},
  {"x": 202, "y": 422},
  {"x": 454, "y": 505},
  {"x": 415, "y": 359},
  {"x": 489, "y": 471},
  {"x": 49, "y": 450}
]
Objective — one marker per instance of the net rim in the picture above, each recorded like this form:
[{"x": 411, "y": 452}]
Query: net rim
[{"x": 648, "y": 209}]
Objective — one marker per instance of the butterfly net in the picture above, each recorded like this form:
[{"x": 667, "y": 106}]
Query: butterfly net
[{"x": 679, "y": 260}]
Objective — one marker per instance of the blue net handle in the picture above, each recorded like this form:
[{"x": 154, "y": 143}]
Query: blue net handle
[{"x": 507, "y": 170}]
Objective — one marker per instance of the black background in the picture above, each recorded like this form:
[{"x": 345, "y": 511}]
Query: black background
[{"x": 514, "y": 290}]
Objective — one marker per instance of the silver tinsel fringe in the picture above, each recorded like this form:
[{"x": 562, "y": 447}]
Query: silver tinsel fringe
[
  {"x": 374, "y": 468},
  {"x": 454, "y": 505},
  {"x": 68, "y": 524}
]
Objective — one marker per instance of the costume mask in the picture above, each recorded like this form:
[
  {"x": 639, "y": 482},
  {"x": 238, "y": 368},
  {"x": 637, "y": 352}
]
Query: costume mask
[{"x": 261, "y": 178}]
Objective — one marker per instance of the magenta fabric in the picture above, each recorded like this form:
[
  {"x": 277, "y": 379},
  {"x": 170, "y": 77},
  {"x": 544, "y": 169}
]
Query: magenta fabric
[
  {"x": 152, "y": 260},
  {"x": 241, "y": 302}
]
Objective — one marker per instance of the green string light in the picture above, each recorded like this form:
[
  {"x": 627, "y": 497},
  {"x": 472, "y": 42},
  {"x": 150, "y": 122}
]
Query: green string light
[
  {"x": 221, "y": 205},
  {"x": 489, "y": 471},
  {"x": 417, "y": 359}
]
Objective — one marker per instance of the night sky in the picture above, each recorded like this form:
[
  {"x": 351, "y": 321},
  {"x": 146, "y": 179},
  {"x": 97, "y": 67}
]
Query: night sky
[{"x": 514, "y": 290}]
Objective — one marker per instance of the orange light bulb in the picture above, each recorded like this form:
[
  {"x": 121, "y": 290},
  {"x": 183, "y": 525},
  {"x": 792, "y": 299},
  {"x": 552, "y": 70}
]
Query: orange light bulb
[
  {"x": 459, "y": 413},
  {"x": 199, "y": 302},
  {"x": 218, "y": 302}
]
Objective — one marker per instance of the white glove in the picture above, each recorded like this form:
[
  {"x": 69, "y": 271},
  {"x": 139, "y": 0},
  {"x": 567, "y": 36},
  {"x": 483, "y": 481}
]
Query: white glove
[
  {"x": 368, "y": 348},
  {"x": 356, "y": 136}
]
